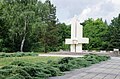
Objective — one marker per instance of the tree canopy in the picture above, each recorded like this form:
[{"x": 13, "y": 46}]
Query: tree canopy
[{"x": 30, "y": 25}]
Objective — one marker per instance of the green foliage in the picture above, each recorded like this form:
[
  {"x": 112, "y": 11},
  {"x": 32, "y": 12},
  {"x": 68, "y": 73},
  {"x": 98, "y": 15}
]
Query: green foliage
[
  {"x": 114, "y": 34},
  {"x": 93, "y": 58},
  {"x": 2, "y": 76},
  {"x": 96, "y": 31},
  {"x": 41, "y": 70},
  {"x": 102, "y": 36},
  {"x": 68, "y": 63},
  {"x": 20, "y": 63},
  {"x": 16, "y": 76},
  {"x": 65, "y": 67},
  {"x": 65, "y": 60},
  {"x": 10, "y": 73},
  {"x": 19, "y": 54},
  {"x": 30, "y": 59},
  {"x": 32, "y": 26},
  {"x": 63, "y": 33},
  {"x": 28, "y": 25},
  {"x": 80, "y": 62}
]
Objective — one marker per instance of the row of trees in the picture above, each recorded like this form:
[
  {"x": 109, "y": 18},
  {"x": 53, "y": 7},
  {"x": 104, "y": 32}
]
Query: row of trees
[
  {"x": 30, "y": 25},
  {"x": 102, "y": 36}
]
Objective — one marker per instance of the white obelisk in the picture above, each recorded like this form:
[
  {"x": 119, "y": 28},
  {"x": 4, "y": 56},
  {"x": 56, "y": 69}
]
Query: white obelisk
[{"x": 77, "y": 39}]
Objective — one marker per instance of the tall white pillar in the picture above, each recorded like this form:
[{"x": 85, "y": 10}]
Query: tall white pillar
[{"x": 77, "y": 39}]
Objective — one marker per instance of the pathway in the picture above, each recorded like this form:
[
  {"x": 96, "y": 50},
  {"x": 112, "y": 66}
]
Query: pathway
[{"x": 105, "y": 70}]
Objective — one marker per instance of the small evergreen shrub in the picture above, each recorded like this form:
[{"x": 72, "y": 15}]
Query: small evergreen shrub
[
  {"x": 41, "y": 70},
  {"x": 5, "y": 72},
  {"x": 16, "y": 76},
  {"x": 2, "y": 76},
  {"x": 65, "y": 60},
  {"x": 18, "y": 54}
]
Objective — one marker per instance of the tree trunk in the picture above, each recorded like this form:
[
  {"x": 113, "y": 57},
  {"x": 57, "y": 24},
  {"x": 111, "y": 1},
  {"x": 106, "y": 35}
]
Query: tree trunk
[
  {"x": 44, "y": 40},
  {"x": 24, "y": 37},
  {"x": 22, "y": 44}
]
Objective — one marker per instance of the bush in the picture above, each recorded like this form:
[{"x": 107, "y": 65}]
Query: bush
[
  {"x": 35, "y": 71},
  {"x": 41, "y": 70},
  {"x": 18, "y": 54},
  {"x": 16, "y": 76},
  {"x": 21, "y": 72},
  {"x": 53, "y": 71},
  {"x": 64, "y": 67},
  {"x": 92, "y": 60},
  {"x": 53, "y": 63},
  {"x": 2, "y": 76},
  {"x": 65, "y": 60},
  {"x": 21, "y": 63},
  {"x": 41, "y": 65},
  {"x": 80, "y": 62}
]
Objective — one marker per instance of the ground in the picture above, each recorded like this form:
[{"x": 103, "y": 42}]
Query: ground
[{"x": 105, "y": 70}]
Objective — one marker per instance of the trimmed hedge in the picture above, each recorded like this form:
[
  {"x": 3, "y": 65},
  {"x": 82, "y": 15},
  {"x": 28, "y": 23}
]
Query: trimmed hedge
[{"x": 41, "y": 70}]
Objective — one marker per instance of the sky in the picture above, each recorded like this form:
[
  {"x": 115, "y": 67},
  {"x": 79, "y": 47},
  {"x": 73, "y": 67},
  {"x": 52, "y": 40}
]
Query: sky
[{"x": 84, "y": 9}]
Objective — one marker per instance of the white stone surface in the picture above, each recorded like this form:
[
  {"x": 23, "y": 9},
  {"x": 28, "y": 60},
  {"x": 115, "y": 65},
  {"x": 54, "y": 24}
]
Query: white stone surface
[
  {"x": 116, "y": 49},
  {"x": 48, "y": 55},
  {"x": 77, "y": 39}
]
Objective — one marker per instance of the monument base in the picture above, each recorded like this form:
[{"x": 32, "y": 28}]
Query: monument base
[{"x": 76, "y": 48}]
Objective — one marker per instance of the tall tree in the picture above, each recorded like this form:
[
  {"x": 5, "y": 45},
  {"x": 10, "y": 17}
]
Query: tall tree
[
  {"x": 95, "y": 30},
  {"x": 49, "y": 38},
  {"x": 29, "y": 24},
  {"x": 19, "y": 18},
  {"x": 63, "y": 33},
  {"x": 114, "y": 34}
]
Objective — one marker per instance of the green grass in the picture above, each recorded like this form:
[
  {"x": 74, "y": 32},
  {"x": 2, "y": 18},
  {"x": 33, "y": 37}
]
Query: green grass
[{"x": 30, "y": 59}]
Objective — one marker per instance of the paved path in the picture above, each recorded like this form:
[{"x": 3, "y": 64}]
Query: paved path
[{"x": 105, "y": 70}]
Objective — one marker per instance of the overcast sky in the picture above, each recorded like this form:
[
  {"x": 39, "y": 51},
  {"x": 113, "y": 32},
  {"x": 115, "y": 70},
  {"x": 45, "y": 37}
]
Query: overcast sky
[{"x": 84, "y": 9}]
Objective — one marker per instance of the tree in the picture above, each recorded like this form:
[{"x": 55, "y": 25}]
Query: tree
[
  {"x": 49, "y": 38},
  {"x": 114, "y": 34},
  {"x": 29, "y": 24},
  {"x": 21, "y": 14},
  {"x": 63, "y": 33},
  {"x": 95, "y": 30}
]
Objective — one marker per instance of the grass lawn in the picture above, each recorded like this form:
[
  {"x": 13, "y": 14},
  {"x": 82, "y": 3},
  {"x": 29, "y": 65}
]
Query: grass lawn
[{"x": 30, "y": 59}]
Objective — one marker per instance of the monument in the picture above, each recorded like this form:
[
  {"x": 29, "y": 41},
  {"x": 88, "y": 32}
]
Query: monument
[{"x": 77, "y": 39}]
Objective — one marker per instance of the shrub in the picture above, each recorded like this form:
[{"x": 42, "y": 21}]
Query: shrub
[
  {"x": 65, "y": 67},
  {"x": 73, "y": 64},
  {"x": 82, "y": 62},
  {"x": 41, "y": 70},
  {"x": 16, "y": 76},
  {"x": 92, "y": 59},
  {"x": 65, "y": 60},
  {"x": 41, "y": 64},
  {"x": 53, "y": 63},
  {"x": 21, "y": 72},
  {"x": 8, "y": 67},
  {"x": 35, "y": 71},
  {"x": 18, "y": 54},
  {"x": 53, "y": 71},
  {"x": 2, "y": 76},
  {"x": 5, "y": 72},
  {"x": 21, "y": 63}
]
